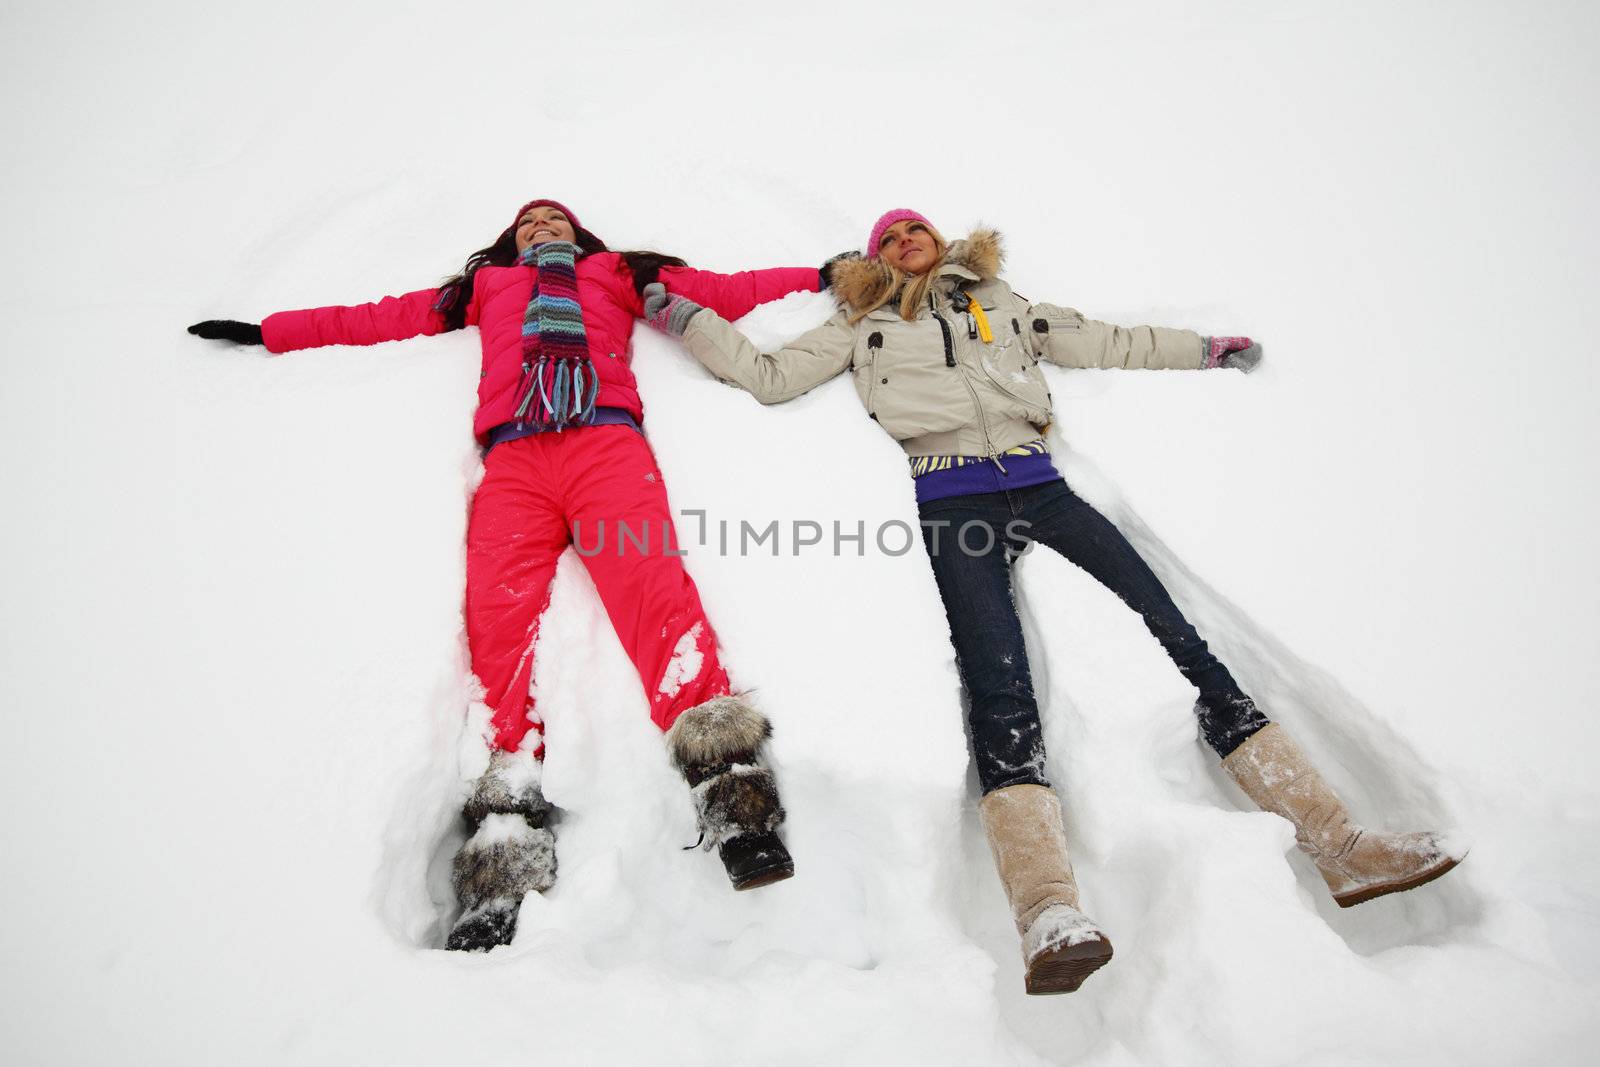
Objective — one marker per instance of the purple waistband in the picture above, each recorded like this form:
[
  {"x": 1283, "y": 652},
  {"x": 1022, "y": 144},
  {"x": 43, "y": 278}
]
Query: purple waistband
[
  {"x": 510, "y": 431},
  {"x": 1019, "y": 472}
]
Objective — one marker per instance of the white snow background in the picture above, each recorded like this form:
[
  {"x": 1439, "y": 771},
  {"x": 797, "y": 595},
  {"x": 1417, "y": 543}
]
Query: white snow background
[{"x": 234, "y": 682}]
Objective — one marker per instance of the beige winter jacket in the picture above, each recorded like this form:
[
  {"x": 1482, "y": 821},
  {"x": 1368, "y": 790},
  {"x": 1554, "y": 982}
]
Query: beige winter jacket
[{"x": 935, "y": 383}]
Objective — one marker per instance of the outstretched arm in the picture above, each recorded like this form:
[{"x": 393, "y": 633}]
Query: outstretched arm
[
  {"x": 771, "y": 377},
  {"x": 393, "y": 318},
  {"x": 734, "y": 296},
  {"x": 1064, "y": 336}
]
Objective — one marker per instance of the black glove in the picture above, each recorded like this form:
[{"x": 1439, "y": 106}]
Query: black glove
[
  {"x": 825, "y": 274},
  {"x": 240, "y": 333}
]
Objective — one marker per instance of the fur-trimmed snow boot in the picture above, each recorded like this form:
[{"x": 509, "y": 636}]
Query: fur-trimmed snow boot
[
  {"x": 1061, "y": 946},
  {"x": 717, "y": 748},
  {"x": 1358, "y": 864},
  {"x": 509, "y": 855}
]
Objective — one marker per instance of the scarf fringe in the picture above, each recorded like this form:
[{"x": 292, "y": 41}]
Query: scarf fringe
[{"x": 557, "y": 393}]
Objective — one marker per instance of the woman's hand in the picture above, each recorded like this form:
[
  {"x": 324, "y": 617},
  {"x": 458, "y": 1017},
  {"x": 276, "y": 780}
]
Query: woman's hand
[
  {"x": 240, "y": 333},
  {"x": 668, "y": 312},
  {"x": 1234, "y": 353},
  {"x": 1245, "y": 360}
]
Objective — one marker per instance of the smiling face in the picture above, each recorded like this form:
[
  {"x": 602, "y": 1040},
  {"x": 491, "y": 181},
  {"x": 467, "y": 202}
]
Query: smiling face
[
  {"x": 543, "y": 223},
  {"x": 909, "y": 246}
]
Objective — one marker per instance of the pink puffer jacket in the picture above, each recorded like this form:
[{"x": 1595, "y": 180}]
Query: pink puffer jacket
[{"x": 499, "y": 301}]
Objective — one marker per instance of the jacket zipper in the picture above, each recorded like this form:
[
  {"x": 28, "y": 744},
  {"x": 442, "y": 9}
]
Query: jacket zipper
[
  {"x": 944, "y": 328},
  {"x": 950, "y": 361}
]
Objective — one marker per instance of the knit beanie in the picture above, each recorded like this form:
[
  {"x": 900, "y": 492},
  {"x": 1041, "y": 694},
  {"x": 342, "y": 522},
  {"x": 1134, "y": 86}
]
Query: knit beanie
[
  {"x": 889, "y": 218},
  {"x": 558, "y": 205}
]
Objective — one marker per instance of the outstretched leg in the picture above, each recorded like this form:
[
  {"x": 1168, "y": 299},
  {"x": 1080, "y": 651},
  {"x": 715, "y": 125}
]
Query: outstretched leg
[
  {"x": 966, "y": 539},
  {"x": 515, "y": 535},
  {"x": 971, "y": 559},
  {"x": 622, "y": 528},
  {"x": 1063, "y": 521},
  {"x": 1358, "y": 864}
]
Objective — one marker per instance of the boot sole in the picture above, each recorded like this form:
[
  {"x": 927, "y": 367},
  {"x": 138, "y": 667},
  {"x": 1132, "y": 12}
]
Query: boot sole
[
  {"x": 1371, "y": 892},
  {"x": 767, "y": 877},
  {"x": 1063, "y": 970}
]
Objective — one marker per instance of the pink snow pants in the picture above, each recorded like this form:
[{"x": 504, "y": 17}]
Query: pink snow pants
[{"x": 596, "y": 487}]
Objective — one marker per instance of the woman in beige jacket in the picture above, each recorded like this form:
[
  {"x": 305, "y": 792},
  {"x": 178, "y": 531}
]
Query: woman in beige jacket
[{"x": 945, "y": 357}]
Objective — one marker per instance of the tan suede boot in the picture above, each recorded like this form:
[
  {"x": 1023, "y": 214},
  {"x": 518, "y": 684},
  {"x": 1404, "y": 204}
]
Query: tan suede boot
[
  {"x": 1060, "y": 945},
  {"x": 1358, "y": 864}
]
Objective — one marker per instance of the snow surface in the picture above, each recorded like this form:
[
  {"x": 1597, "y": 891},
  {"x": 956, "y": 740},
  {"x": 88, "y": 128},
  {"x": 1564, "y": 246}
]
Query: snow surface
[
  {"x": 685, "y": 662},
  {"x": 234, "y": 670}
]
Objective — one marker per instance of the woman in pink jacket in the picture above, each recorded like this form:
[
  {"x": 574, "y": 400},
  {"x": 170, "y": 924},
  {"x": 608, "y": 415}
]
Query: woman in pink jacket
[{"x": 559, "y": 414}]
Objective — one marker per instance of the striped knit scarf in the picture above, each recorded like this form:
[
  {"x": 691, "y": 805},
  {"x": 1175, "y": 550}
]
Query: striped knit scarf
[{"x": 559, "y": 384}]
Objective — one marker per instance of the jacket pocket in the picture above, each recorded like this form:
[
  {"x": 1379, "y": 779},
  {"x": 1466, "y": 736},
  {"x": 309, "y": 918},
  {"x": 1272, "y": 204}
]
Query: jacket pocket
[
  {"x": 864, "y": 368},
  {"x": 1057, "y": 334},
  {"x": 906, "y": 384}
]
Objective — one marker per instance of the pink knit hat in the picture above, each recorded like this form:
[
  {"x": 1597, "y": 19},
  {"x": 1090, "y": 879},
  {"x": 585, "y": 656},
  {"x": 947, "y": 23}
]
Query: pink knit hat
[
  {"x": 558, "y": 205},
  {"x": 899, "y": 214}
]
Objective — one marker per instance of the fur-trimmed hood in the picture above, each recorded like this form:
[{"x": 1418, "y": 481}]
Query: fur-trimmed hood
[{"x": 979, "y": 256}]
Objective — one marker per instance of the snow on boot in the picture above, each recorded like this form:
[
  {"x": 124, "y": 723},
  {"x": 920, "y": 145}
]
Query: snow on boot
[
  {"x": 487, "y": 926},
  {"x": 504, "y": 861},
  {"x": 1358, "y": 864},
  {"x": 511, "y": 785},
  {"x": 717, "y": 747},
  {"x": 1061, "y": 946},
  {"x": 509, "y": 855}
]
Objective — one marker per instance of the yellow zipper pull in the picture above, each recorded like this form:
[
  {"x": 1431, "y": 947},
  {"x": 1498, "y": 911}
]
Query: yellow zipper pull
[{"x": 976, "y": 310}]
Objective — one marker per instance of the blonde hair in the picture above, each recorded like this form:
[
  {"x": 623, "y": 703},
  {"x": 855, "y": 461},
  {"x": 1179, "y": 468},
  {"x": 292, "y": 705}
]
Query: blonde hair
[{"x": 913, "y": 289}]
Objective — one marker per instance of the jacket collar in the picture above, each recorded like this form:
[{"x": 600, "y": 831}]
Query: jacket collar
[{"x": 975, "y": 258}]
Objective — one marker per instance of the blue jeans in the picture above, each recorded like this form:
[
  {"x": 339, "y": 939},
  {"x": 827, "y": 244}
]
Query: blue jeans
[{"x": 972, "y": 542}]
